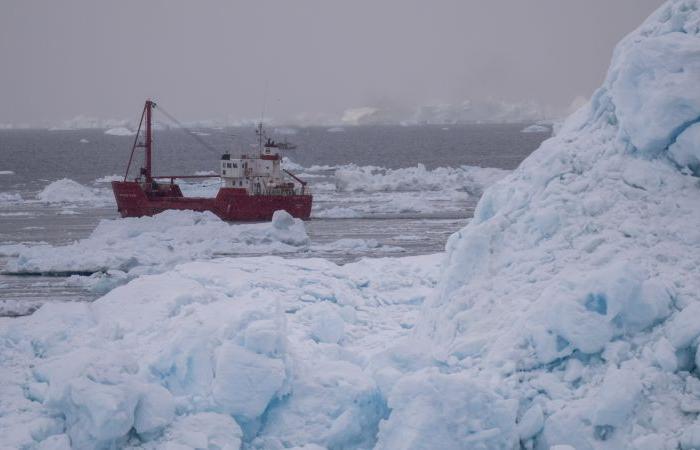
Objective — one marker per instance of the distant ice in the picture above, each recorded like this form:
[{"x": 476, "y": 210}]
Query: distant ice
[
  {"x": 336, "y": 130},
  {"x": 469, "y": 179},
  {"x": 284, "y": 131},
  {"x": 535, "y": 128},
  {"x": 6, "y": 172},
  {"x": 82, "y": 122},
  {"x": 120, "y": 131},
  {"x": 359, "y": 116},
  {"x": 84, "y": 141}
]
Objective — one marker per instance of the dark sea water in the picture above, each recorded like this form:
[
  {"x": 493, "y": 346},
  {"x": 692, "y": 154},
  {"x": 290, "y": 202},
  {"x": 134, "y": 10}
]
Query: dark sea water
[{"x": 36, "y": 158}]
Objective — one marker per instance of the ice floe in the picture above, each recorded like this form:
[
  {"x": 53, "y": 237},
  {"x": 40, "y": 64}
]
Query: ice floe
[
  {"x": 68, "y": 191},
  {"x": 124, "y": 248}
]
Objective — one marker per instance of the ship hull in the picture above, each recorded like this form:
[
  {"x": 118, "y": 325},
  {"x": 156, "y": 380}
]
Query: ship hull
[{"x": 230, "y": 204}]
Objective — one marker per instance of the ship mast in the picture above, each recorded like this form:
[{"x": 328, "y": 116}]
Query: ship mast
[{"x": 149, "y": 140}]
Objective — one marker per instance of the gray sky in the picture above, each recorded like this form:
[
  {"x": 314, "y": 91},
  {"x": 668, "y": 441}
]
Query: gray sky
[{"x": 212, "y": 59}]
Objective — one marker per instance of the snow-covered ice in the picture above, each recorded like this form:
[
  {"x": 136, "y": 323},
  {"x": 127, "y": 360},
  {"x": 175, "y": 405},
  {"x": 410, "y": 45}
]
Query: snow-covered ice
[
  {"x": 69, "y": 191},
  {"x": 266, "y": 350}
]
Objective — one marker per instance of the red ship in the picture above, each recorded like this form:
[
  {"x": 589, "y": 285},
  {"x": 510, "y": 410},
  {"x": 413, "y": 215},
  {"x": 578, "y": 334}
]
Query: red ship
[{"x": 253, "y": 186}]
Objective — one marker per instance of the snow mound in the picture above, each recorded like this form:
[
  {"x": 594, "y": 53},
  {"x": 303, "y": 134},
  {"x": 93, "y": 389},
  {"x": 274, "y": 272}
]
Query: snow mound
[
  {"x": 266, "y": 351},
  {"x": 570, "y": 302},
  {"x": 120, "y": 131},
  {"x": 535, "y": 128},
  {"x": 69, "y": 191},
  {"x": 118, "y": 250}
]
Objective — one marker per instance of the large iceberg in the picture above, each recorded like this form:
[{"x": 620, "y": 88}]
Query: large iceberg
[{"x": 571, "y": 292}]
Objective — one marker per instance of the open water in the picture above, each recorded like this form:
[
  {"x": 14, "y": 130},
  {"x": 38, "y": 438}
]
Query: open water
[{"x": 413, "y": 210}]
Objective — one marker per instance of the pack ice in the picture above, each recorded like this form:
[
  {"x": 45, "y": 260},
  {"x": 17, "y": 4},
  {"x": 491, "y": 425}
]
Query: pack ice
[
  {"x": 119, "y": 250},
  {"x": 563, "y": 316}
]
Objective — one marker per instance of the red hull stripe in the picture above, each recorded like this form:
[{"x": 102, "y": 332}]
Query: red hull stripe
[{"x": 229, "y": 204}]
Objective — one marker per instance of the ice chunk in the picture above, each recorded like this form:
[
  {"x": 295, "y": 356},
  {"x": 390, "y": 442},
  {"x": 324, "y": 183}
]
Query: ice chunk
[
  {"x": 245, "y": 382},
  {"x": 155, "y": 410},
  {"x": 433, "y": 410},
  {"x": 665, "y": 355},
  {"x": 531, "y": 422},
  {"x": 55, "y": 442},
  {"x": 684, "y": 327},
  {"x": 685, "y": 151},
  {"x": 617, "y": 398},
  {"x": 690, "y": 439},
  {"x": 205, "y": 430},
  {"x": 652, "y": 110},
  {"x": 327, "y": 325}
]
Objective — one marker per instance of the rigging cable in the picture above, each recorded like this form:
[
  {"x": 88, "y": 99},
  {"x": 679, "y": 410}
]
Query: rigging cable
[{"x": 188, "y": 131}]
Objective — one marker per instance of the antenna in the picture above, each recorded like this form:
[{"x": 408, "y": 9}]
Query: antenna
[
  {"x": 260, "y": 131},
  {"x": 262, "y": 114}
]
